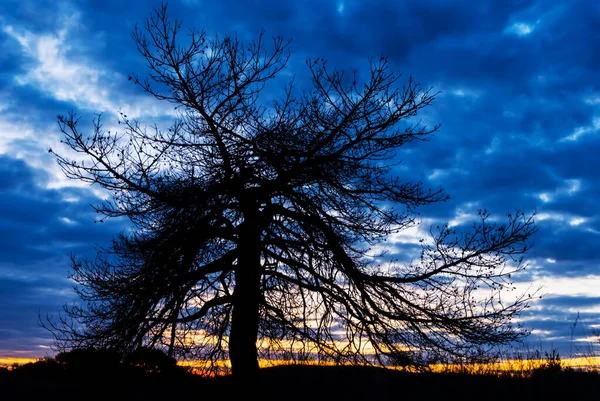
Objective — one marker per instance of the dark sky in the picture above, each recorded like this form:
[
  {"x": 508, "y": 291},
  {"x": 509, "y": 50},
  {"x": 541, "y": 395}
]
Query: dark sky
[{"x": 519, "y": 108}]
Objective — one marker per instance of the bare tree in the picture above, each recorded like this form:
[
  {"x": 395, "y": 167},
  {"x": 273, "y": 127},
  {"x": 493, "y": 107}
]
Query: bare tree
[{"x": 254, "y": 224}]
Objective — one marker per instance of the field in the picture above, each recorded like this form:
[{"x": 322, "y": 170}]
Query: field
[{"x": 48, "y": 380}]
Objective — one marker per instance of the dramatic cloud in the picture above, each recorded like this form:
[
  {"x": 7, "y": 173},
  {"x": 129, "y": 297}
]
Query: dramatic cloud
[
  {"x": 39, "y": 228},
  {"x": 518, "y": 104}
]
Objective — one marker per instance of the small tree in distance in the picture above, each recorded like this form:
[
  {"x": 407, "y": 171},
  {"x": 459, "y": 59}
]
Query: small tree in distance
[{"x": 253, "y": 226}]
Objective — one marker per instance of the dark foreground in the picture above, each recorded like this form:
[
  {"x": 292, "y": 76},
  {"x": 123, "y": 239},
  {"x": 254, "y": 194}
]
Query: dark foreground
[{"x": 292, "y": 383}]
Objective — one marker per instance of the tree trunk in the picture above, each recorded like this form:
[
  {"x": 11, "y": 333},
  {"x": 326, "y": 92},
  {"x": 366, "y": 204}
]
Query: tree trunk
[{"x": 246, "y": 300}]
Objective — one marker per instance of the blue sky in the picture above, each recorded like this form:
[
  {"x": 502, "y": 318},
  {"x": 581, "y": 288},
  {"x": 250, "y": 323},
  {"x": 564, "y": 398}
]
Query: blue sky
[{"x": 519, "y": 108}]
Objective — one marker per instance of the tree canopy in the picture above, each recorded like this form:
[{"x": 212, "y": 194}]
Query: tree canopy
[{"x": 255, "y": 223}]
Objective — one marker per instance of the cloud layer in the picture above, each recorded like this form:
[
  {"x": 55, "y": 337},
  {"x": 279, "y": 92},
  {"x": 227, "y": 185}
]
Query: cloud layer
[{"x": 519, "y": 108}]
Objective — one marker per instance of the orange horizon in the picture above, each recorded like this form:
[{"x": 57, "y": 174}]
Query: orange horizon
[
  {"x": 10, "y": 361},
  {"x": 585, "y": 363}
]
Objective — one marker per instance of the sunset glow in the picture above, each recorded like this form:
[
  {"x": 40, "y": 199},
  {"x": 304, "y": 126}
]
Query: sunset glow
[{"x": 517, "y": 99}]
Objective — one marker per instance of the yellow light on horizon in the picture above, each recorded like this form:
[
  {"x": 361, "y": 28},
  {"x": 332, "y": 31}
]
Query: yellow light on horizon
[
  {"x": 10, "y": 361},
  {"x": 517, "y": 366}
]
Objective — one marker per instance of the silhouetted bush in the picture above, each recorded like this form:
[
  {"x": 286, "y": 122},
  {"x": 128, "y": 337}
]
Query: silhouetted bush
[
  {"x": 47, "y": 368},
  {"x": 89, "y": 359},
  {"x": 151, "y": 360},
  {"x": 551, "y": 366}
]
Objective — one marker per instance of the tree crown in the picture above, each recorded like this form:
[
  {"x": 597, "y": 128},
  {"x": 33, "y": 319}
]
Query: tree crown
[{"x": 273, "y": 212}]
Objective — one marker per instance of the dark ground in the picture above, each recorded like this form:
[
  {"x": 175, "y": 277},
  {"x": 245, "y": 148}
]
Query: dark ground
[{"x": 53, "y": 382}]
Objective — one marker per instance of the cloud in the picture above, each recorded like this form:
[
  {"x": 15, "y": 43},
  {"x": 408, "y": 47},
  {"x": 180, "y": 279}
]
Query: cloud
[
  {"x": 571, "y": 303},
  {"x": 520, "y": 28},
  {"x": 39, "y": 223},
  {"x": 20, "y": 332},
  {"x": 56, "y": 71},
  {"x": 564, "y": 323},
  {"x": 39, "y": 228},
  {"x": 590, "y": 129},
  {"x": 59, "y": 62},
  {"x": 519, "y": 107},
  {"x": 50, "y": 70}
]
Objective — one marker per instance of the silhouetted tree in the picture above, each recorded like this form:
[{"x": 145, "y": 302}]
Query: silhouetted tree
[{"x": 254, "y": 225}]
